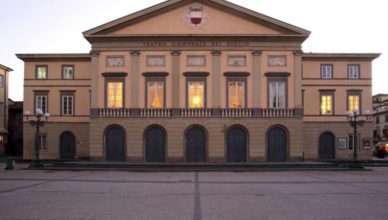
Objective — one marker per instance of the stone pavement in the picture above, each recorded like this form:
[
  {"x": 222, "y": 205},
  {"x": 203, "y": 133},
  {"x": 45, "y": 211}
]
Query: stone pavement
[{"x": 29, "y": 194}]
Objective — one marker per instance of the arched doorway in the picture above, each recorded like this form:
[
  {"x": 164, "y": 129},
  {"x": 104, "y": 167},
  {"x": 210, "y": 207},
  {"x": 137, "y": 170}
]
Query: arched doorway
[
  {"x": 155, "y": 144},
  {"x": 326, "y": 146},
  {"x": 277, "y": 145},
  {"x": 236, "y": 145},
  {"x": 115, "y": 144},
  {"x": 67, "y": 146},
  {"x": 196, "y": 145}
]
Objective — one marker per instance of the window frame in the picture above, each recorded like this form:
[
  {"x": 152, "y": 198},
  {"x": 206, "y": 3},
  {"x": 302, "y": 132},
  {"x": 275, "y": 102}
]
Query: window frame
[
  {"x": 40, "y": 135},
  {"x": 41, "y": 94},
  {"x": 36, "y": 72},
  {"x": 358, "y": 68},
  {"x": 237, "y": 79},
  {"x": 155, "y": 79},
  {"x": 354, "y": 93},
  {"x": 63, "y": 71},
  {"x": 2, "y": 77},
  {"x": 67, "y": 94},
  {"x": 114, "y": 79},
  {"x": 331, "y": 71},
  {"x": 327, "y": 93},
  {"x": 2, "y": 108},
  {"x": 277, "y": 79},
  {"x": 196, "y": 79}
]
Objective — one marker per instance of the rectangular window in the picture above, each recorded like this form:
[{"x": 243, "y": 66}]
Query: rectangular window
[
  {"x": 354, "y": 103},
  {"x": 196, "y": 94},
  {"x": 41, "y": 102},
  {"x": 326, "y": 104},
  {"x": 68, "y": 72},
  {"x": 1, "y": 108},
  {"x": 236, "y": 94},
  {"x": 386, "y": 118},
  {"x": 41, "y": 72},
  {"x": 1, "y": 81},
  {"x": 42, "y": 142},
  {"x": 353, "y": 71},
  {"x": 326, "y": 71},
  {"x": 115, "y": 94},
  {"x": 67, "y": 104},
  {"x": 277, "y": 94},
  {"x": 155, "y": 94}
]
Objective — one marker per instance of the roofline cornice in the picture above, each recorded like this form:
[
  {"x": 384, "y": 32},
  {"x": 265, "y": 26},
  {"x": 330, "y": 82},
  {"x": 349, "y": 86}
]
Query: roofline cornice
[
  {"x": 6, "y": 68},
  {"x": 54, "y": 56},
  {"x": 364, "y": 56}
]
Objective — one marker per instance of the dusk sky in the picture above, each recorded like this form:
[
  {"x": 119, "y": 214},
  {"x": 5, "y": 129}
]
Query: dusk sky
[{"x": 56, "y": 26}]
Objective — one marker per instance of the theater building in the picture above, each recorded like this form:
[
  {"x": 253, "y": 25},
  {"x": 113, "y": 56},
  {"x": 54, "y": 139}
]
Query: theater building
[{"x": 198, "y": 81}]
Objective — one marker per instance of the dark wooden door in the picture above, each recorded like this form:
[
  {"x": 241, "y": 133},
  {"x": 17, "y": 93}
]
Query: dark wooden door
[
  {"x": 195, "y": 145},
  {"x": 67, "y": 146},
  {"x": 155, "y": 142},
  {"x": 115, "y": 144},
  {"x": 326, "y": 146},
  {"x": 236, "y": 145},
  {"x": 277, "y": 145}
]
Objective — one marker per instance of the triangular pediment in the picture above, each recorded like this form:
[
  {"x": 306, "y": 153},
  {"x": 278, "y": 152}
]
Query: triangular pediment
[{"x": 196, "y": 17}]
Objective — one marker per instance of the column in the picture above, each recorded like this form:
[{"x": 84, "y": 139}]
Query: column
[
  {"x": 298, "y": 79},
  {"x": 256, "y": 78},
  {"x": 216, "y": 79},
  {"x": 135, "y": 60},
  {"x": 176, "y": 90},
  {"x": 95, "y": 88}
]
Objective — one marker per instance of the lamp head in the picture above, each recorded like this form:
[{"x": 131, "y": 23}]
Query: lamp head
[
  {"x": 27, "y": 113},
  {"x": 39, "y": 112}
]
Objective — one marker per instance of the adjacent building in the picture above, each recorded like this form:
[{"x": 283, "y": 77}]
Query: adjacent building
[
  {"x": 4, "y": 72},
  {"x": 380, "y": 113},
  {"x": 198, "y": 81}
]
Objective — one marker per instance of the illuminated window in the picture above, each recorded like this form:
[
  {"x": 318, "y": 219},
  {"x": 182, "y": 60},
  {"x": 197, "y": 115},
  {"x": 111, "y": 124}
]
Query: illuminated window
[
  {"x": 236, "y": 91},
  {"x": 115, "y": 94},
  {"x": 354, "y": 103},
  {"x": 196, "y": 94},
  {"x": 41, "y": 72},
  {"x": 277, "y": 94},
  {"x": 326, "y": 71},
  {"x": 68, "y": 72},
  {"x": 353, "y": 71},
  {"x": 155, "y": 96},
  {"x": 326, "y": 105}
]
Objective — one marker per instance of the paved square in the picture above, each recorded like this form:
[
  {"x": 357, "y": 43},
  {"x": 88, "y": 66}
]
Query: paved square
[{"x": 28, "y": 194}]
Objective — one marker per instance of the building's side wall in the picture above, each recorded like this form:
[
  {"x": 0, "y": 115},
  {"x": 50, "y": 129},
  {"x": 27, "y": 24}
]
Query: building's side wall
[{"x": 3, "y": 110}]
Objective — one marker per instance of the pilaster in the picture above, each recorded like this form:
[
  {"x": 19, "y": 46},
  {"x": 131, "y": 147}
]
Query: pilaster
[
  {"x": 95, "y": 88},
  {"x": 256, "y": 78},
  {"x": 216, "y": 74},
  {"x": 298, "y": 79},
  {"x": 135, "y": 64},
  {"x": 175, "y": 79}
]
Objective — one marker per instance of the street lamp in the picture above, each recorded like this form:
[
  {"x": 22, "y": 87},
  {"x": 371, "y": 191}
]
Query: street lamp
[
  {"x": 352, "y": 118},
  {"x": 37, "y": 122}
]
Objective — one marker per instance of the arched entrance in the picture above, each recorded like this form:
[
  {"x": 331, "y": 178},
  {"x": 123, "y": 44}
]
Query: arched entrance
[
  {"x": 277, "y": 145},
  {"x": 236, "y": 145},
  {"x": 196, "y": 145},
  {"x": 115, "y": 144},
  {"x": 155, "y": 144},
  {"x": 327, "y": 146},
  {"x": 67, "y": 146}
]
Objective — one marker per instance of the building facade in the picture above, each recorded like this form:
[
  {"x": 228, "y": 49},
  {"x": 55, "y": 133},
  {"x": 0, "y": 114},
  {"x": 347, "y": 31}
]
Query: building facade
[
  {"x": 380, "y": 113},
  {"x": 4, "y": 72},
  {"x": 198, "y": 81}
]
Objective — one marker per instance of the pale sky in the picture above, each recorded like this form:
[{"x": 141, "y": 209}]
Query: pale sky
[{"x": 56, "y": 26}]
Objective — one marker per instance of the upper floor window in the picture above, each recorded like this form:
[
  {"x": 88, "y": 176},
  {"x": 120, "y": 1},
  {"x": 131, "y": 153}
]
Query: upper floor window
[
  {"x": 354, "y": 102},
  {"x": 326, "y": 71},
  {"x": 236, "y": 93},
  {"x": 41, "y": 101},
  {"x": 196, "y": 94},
  {"x": 327, "y": 99},
  {"x": 67, "y": 103},
  {"x": 41, "y": 72},
  {"x": 155, "y": 94},
  {"x": 277, "y": 94},
  {"x": 1, "y": 81},
  {"x": 353, "y": 71},
  {"x": 115, "y": 94},
  {"x": 68, "y": 72}
]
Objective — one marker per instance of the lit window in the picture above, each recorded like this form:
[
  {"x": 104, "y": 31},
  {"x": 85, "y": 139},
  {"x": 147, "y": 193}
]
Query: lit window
[
  {"x": 277, "y": 94},
  {"x": 42, "y": 142},
  {"x": 115, "y": 95},
  {"x": 326, "y": 105},
  {"x": 155, "y": 98},
  {"x": 353, "y": 102},
  {"x": 67, "y": 104},
  {"x": 41, "y": 72},
  {"x": 68, "y": 72},
  {"x": 326, "y": 71},
  {"x": 236, "y": 94},
  {"x": 196, "y": 94},
  {"x": 353, "y": 71},
  {"x": 41, "y": 102}
]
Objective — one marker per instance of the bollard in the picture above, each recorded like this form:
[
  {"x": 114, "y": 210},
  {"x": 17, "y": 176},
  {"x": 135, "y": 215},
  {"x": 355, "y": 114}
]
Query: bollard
[{"x": 10, "y": 163}]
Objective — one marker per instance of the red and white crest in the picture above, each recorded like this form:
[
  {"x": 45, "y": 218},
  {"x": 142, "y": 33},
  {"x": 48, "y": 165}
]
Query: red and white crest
[{"x": 195, "y": 17}]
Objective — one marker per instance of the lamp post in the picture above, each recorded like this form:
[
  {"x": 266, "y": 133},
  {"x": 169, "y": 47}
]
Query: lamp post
[
  {"x": 37, "y": 122},
  {"x": 352, "y": 118}
]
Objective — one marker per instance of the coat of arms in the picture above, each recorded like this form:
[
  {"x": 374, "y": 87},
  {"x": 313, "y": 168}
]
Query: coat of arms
[{"x": 195, "y": 17}]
